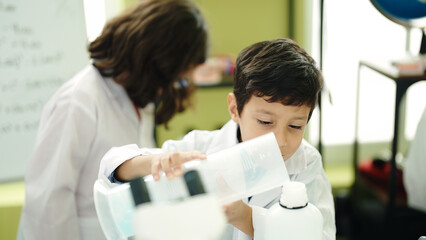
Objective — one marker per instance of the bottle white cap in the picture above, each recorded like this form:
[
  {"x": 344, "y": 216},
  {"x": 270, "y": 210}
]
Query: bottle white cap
[{"x": 293, "y": 195}]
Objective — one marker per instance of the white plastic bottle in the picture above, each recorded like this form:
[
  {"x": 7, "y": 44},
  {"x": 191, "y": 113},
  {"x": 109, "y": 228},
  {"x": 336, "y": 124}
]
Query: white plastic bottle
[
  {"x": 198, "y": 216},
  {"x": 149, "y": 218},
  {"x": 293, "y": 217}
]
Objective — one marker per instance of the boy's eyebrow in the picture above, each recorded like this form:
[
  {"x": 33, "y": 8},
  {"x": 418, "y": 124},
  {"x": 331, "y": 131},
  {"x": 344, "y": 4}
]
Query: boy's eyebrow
[
  {"x": 265, "y": 111},
  {"x": 273, "y": 114},
  {"x": 300, "y": 118}
]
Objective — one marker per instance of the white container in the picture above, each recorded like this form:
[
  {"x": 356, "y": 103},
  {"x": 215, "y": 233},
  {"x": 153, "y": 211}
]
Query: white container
[
  {"x": 293, "y": 217},
  {"x": 244, "y": 170},
  {"x": 109, "y": 217},
  {"x": 197, "y": 217}
]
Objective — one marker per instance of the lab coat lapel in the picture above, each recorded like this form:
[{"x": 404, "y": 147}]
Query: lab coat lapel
[
  {"x": 114, "y": 90},
  {"x": 146, "y": 134},
  {"x": 266, "y": 198}
]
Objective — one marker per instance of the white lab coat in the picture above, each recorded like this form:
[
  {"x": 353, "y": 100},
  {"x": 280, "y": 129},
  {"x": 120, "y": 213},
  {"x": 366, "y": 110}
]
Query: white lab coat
[
  {"x": 87, "y": 116},
  {"x": 304, "y": 166},
  {"x": 415, "y": 168}
]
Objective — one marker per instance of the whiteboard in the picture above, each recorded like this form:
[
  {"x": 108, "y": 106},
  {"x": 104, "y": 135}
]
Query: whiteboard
[{"x": 42, "y": 44}]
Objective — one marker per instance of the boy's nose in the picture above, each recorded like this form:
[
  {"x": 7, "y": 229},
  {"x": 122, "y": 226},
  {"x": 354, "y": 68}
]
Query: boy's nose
[{"x": 281, "y": 139}]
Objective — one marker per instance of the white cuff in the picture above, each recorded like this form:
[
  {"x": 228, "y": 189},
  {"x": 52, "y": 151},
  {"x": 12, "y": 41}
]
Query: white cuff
[{"x": 117, "y": 155}]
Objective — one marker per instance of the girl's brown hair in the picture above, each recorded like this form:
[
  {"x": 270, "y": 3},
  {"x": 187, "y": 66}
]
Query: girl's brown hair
[{"x": 147, "y": 48}]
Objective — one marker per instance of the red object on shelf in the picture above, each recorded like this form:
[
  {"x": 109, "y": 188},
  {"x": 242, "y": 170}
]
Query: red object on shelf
[{"x": 376, "y": 172}]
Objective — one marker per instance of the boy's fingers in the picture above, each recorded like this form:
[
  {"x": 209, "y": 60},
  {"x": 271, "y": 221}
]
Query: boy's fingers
[
  {"x": 199, "y": 155},
  {"x": 171, "y": 163},
  {"x": 188, "y": 156},
  {"x": 165, "y": 165},
  {"x": 177, "y": 171},
  {"x": 178, "y": 158},
  {"x": 176, "y": 162},
  {"x": 155, "y": 168}
]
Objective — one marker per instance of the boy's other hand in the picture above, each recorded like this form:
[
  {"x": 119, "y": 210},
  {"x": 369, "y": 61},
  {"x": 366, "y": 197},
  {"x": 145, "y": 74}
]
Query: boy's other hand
[
  {"x": 239, "y": 214},
  {"x": 171, "y": 163}
]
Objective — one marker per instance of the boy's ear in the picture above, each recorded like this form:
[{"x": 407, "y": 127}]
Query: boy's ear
[{"x": 232, "y": 107}]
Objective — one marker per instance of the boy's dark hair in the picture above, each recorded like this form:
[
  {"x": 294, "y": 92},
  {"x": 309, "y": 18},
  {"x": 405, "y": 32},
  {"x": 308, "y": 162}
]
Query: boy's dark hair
[
  {"x": 278, "y": 69},
  {"x": 148, "y": 47}
]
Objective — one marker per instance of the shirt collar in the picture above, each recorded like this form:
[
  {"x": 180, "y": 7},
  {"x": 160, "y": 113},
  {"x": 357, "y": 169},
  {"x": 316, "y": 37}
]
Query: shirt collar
[
  {"x": 115, "y": 90},
  {"x": 112, "y": 89},
  {"x": 118, "y": 93}
]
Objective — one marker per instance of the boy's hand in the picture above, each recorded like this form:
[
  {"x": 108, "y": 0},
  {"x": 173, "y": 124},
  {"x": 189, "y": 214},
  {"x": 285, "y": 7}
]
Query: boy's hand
[
  {"x": 239, "y": 214},
  {"x": 171, "y": 163}
]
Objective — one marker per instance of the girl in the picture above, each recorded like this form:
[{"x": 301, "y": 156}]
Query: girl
[{"x": 138, "y": 60}]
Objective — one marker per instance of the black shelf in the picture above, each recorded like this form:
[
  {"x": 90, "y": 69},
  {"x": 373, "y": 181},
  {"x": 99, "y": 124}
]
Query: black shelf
[{"x": 386, "y": 212}]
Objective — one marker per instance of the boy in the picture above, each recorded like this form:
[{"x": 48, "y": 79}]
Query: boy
[{"x": 276, "y": 86}]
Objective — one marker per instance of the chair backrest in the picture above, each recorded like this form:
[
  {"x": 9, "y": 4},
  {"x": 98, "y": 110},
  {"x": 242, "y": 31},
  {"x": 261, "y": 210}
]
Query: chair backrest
[{"x": 115, "y": 209}]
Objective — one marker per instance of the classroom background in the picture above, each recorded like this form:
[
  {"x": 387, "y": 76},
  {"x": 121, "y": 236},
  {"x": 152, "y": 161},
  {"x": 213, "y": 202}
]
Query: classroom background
[{"x": 346, "y": 38}]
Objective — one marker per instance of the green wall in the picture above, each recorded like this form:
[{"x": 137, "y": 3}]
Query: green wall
[
  {"x": 209, "y": 112},
  {"x": 235, "y": 24}
]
